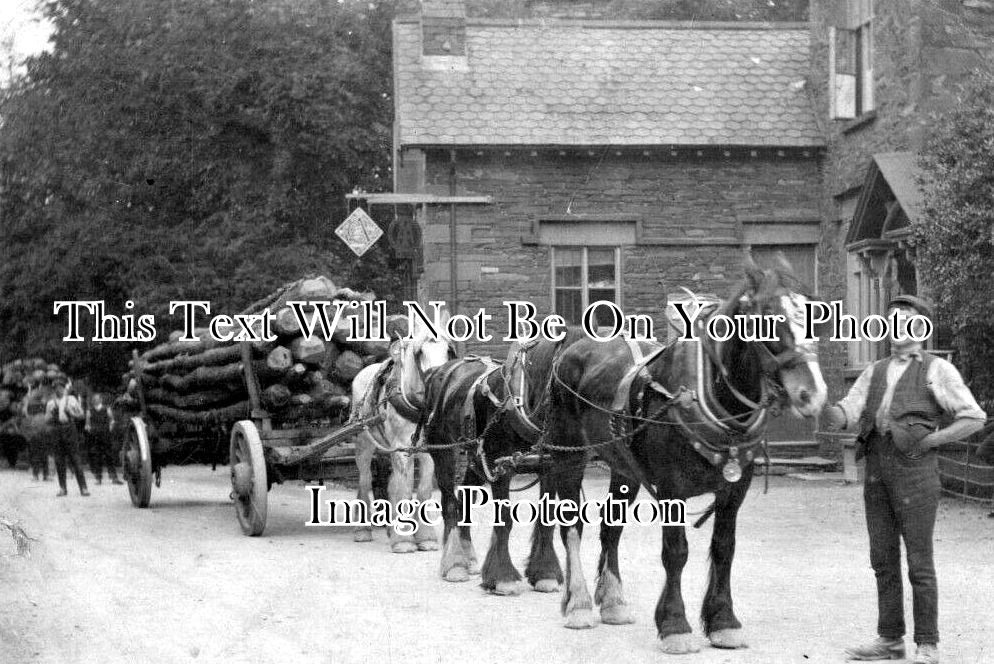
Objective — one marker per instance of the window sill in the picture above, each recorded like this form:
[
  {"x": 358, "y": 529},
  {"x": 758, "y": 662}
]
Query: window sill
[{"x": 862, "y": 121}]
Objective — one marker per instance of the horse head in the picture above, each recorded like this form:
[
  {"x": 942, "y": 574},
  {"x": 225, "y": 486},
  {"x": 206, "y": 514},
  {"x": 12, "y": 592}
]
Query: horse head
[
  {"x": 419, "y": 352},
  {"x": 786, "y": 357}
]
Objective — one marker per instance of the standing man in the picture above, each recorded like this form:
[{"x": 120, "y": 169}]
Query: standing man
[
  {"x": 898, "y": 406},
  {"x": 63, "y": 411},
  {"x": 99, "y": 424}
]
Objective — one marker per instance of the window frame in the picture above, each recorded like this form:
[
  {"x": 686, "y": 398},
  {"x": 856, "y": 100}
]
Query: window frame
[
  {"x": 859, "y": 27},
  {"x": 584, "y": 287}
]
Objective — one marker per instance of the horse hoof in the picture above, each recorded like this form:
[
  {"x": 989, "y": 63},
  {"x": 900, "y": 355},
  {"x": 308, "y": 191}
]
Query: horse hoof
[
  {"x": 456, "y": 574},
  {"x": 365, "y": 535},
  {"x": 547, "y": 586},
  {"x": 507, "y": 588},
  {"x": 403, "y": 547},
  {"x": 727, "y": 638},
  {"x": 428, "y": 545},
  {"x": 474, "y": 569},
  {"x": 679, "y": 644},
  {"x": 581, "y": 619},
  {"x": 619, "y": 614}
]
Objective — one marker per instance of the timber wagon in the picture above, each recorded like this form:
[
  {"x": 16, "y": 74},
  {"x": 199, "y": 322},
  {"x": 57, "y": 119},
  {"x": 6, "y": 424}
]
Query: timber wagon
[{"x": 280, "y": 410}]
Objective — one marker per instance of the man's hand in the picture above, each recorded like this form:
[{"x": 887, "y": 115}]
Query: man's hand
[
  {"x": 931, "y": 441},
  {"x": 833, "y": 418}
]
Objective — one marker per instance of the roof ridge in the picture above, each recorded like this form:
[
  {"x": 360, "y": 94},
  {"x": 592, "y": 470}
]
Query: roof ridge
[{"x": 625, "y": 25}]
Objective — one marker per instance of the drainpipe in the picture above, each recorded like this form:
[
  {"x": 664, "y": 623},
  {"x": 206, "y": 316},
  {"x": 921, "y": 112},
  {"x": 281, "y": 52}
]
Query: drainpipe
[{"x": 453, "y": 257}]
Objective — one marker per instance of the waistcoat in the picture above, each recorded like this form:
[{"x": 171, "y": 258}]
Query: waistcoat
[{"x": 912, "y": 398}]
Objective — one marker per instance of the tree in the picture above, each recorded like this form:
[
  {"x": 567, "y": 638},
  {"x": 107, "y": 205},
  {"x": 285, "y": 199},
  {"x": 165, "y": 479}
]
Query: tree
[
  {"x": 954, "y": 240},
  {"x": 191, "y": 149}
]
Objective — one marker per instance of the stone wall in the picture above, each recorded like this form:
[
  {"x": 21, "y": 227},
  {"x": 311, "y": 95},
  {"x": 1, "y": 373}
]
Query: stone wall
[{"x": 690, "y": 209}]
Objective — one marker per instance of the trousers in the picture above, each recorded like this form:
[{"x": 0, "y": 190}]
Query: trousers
[
  {"x": 901, "y": 496},
  {"x": 66, "y": 450}
]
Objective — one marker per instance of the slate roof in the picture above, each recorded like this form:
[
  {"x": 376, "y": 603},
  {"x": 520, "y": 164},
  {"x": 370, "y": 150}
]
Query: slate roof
[
  {"x": 902, "y": 173},
  {"x": 571, "y": 83},
  {"x": 899, "y": 172}
]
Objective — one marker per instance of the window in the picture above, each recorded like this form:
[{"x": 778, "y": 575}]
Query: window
[
  {"x": 863, "y": 297},
  {"x": 851, "y": 62},
  {"x": 582, "y": 276}
]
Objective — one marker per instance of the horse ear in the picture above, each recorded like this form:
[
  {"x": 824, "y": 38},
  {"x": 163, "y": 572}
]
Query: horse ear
[
  {"x": 783, "y": 267},
  {"x": 754, "y": 273}
]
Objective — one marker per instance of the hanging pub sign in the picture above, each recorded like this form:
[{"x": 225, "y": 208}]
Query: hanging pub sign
[
  {"x": 359, "y": 231},
  {"x": 403, "y": 237}
]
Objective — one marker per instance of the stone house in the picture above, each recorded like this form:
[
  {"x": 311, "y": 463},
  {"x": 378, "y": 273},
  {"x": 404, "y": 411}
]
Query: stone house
[
  {"x": 564, "y": 161},
  {"x": 881, "y": 72},
  {"x": 601, "y": 159}
]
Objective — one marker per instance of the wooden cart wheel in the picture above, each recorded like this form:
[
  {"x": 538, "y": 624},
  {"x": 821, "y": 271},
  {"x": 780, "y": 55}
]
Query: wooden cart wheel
[
  {"x": 248, "y": 477},
  {"x": 137, "y": 462}
]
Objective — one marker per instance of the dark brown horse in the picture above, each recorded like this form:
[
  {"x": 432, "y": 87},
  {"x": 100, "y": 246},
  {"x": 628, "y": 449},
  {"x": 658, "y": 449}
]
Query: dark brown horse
[
  {"x": 682, "y": 421},
  {"x": 481, "y": 416}
]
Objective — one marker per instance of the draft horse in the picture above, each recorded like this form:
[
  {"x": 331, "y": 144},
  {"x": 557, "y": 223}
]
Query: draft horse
[
  {"x": 682, "y": 421},
  {"x": 483, "y": 418},
  {"x": 395, "y": 389}
]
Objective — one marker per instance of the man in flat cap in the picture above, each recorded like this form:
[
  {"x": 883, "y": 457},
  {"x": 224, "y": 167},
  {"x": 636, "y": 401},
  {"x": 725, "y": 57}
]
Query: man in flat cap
[{"x": 903, "y": 407}]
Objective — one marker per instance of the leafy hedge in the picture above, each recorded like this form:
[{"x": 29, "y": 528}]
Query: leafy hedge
[{"x": 954, "y": 240}]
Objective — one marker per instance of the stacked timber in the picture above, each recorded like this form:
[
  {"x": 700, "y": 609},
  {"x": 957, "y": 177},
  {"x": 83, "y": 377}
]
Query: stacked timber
[
  {"x": 297, "y": 377},
  {"x": 19, "y": 376}
]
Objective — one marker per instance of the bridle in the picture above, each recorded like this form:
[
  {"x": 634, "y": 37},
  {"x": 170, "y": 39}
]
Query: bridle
[
  {"x": 405, "y": 351},
  {"x": 771, "y": 364}
]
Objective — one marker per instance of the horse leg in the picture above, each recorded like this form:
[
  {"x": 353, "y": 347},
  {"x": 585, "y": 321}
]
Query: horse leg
[
  {"x": 608, "y": 593},
  {"x": 721, "y": 626},
  {"x": 577, "y": 605},
  {"x": 472, "y": 478},
  {"x": 426, "y": 537},
  {"x": 364, "y": 460},
  {"x": 542, "y": 569},
  {"x": 399, "y": 489},
  {"x": 671, "y": 620},
  {"x": 499, "y": 575},
  {"x": 454, "y": 565}
]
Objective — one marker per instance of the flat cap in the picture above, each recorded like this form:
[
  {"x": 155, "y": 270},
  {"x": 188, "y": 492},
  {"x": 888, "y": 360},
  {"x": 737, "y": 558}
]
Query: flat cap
[{"x": 918, "y": 304}]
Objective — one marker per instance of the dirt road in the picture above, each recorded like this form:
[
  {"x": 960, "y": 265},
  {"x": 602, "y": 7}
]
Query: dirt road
[{"x": 178, "y": 582}]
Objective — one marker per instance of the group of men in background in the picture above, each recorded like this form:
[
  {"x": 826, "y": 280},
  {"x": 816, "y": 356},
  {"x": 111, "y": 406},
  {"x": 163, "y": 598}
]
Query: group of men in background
[{"x": 56, "y": 423}]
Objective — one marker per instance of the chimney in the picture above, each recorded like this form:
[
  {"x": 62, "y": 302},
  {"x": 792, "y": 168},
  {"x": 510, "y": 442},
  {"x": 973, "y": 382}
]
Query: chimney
[{"x": 443, "y": 27}]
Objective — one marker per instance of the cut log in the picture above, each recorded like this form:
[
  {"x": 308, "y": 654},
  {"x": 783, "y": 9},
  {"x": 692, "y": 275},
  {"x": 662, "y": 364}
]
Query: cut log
[
  {"x": 238, "y": 411},
  {"x": 318, "y": 288},
  {"x": 285, "y": 323},
  {"x": 195, "y": 401},
  {"x": 313, "y": 411},
  {"x": 215, "y": 356},
  {"x": 268, "y": 301},
  {"x": 279, "y": 359},
  {"x": 276, "y": 396},
  {"x": 348, "y": 365},
  {"x": 350, "y": 295},
  {"x": 378, "y": 349},
  {"x": 309, "y": 350},
  {"x": 201, "y": 378},
  {"x": 331, "y": 353},
  {"x": 301, "y": 399},
  {"x": 171, "y": 349}
]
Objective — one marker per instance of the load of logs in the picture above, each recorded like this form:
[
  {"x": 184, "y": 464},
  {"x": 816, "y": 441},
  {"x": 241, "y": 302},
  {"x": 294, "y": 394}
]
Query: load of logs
[
  {"x": 299, "y": 378},
  {"x": 18, "y": 376}
]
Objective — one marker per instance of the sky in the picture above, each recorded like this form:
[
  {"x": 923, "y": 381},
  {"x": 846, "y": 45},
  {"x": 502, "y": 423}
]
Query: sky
[{"x": 17, "y": 19}]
